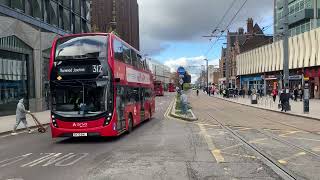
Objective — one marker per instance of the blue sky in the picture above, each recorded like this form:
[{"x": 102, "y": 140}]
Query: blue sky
[{"x": 172, "y": 35}]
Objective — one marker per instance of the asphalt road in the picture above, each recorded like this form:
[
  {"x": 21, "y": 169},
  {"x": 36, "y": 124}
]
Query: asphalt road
[{"x": 166, "y": 148}]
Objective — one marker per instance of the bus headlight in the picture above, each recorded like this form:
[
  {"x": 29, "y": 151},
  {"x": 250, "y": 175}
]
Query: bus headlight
[
  {"x": 54, "y": 122},
  {"x": 107, "y": 121}
]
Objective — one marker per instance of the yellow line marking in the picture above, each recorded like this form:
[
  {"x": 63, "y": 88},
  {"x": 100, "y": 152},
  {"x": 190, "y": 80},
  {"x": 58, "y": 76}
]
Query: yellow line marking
[
  {"x": 243, "y": 129},
  {"x": 285, "y": 160},
  {"x": 288, "y": 133},
  {"x": 244, "y": 155},
  {"x": 214, "y": 151},
  {"x": 308, "y": 139},
  {"x": 282, "y": 161}
]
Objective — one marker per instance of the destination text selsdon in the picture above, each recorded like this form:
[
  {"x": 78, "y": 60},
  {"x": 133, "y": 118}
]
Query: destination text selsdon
[{"x": 72, "y": 70}]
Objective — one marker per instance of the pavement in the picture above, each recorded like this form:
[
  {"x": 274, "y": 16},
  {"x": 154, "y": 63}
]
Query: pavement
[
  {"x": 268, "y": 104},
  {"x": 7, "y": 122}
]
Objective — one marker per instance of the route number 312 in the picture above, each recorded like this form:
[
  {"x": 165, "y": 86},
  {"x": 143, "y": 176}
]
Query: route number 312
[{"x": 96, "y": 68}]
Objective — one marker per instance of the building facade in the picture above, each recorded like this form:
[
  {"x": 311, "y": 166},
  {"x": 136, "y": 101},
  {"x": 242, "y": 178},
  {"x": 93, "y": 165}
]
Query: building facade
[
  {"x": 27, "y": 29},
  {"x": 160, "y": 72},
  {"x": 264, "y": 65},
  {"x": 301, "y": 16},
  {"x": 122, "y": 14},
  {"x": 239, "y": 42}
]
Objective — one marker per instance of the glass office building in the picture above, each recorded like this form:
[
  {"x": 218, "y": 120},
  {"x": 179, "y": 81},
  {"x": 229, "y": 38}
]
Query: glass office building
[
  {"x": 301, "y": 16},
  {"x": 27, "y": 29}
]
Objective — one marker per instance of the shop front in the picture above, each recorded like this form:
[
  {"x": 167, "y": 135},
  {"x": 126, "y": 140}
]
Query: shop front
[
  {"x": 252, "y": 82},
  {"x": 313, "y": 75}
]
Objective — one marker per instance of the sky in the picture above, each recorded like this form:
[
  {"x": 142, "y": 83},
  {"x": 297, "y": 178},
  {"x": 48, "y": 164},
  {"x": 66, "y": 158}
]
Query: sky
[{"x": 171, "y": 31}]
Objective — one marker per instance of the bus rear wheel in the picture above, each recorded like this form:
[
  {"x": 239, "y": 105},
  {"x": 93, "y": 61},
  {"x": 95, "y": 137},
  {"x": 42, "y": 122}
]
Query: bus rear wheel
[{"x": 130, "y": 123}]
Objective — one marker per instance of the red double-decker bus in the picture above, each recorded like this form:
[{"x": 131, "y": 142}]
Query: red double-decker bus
[
  {"x": 171, "y": 87},
  {"x": 99, "y": 86},
  {"x": 158, "y": 88}
]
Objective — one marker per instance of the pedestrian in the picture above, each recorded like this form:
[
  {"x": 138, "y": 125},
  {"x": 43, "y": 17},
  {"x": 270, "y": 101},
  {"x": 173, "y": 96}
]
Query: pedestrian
[
  {"x": 274, "y": 94},
  {"x": 184, "y": 102},
  {"x": 197, "y": 92},
  {"x": 300, "y": 94},
  {"x": 282, "y": 101},
  {"x": 295, "y": 93},
  {"x": 21, "y": 117}
]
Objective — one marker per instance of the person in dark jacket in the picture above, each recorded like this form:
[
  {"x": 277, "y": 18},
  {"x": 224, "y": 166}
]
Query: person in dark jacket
[
  {"x": 295, "y": 93},
  {"x": 284, "y": 98}
]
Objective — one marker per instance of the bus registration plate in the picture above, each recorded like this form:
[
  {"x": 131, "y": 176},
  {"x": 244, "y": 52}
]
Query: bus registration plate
[{"x": 79, "y": 134}]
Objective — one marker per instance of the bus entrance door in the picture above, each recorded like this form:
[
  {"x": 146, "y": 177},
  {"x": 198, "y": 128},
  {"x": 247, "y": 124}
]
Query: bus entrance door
[{"x": 120, "y": 104}]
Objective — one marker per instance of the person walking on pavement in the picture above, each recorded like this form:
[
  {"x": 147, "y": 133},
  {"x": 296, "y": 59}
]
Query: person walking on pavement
[
  {"x": 282, "y": 101},
  {"x": 295, "y": 93},
  {"x": 274, "y": 94},
  {"x": 21, "y": 117},
  {"x": 197, "y": 92},
  {"x": 300, "y": 94}
]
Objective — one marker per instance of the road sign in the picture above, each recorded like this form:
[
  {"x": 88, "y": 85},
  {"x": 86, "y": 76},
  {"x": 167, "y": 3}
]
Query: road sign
[
  {"x": 181, "y": 76},
  {"x": 181, "y": 81},
  {"x": 181, "y": 70}
]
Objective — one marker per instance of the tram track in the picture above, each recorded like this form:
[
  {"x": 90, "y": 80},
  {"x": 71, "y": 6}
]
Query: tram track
[
  {"x": 272, "y": 163},
  {"x": 283, "y": 170}
]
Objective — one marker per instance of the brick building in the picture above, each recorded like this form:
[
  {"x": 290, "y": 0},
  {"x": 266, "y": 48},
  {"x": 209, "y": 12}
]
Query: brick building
[
  {"x": 125, "y": 13},
  {"x": 239, "y": 42}
]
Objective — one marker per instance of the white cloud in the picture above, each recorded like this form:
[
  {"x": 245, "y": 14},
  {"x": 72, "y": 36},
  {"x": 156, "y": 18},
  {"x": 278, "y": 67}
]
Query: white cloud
[
  {"x": 164, "y": 21},
  {"x": 194, "y": 65}
]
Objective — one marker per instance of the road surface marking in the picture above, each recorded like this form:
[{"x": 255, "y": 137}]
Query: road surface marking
[
  {"x": 239, "y": 155},
  {"x": 214, "y": 151},
  {"x": 308, "y": 139},
  {"x": 56, "y": 159},
  {"x": 13, "y": 160},
  {"x": 288, "y": 133},
  {"x": 243, "y": 129},
  {"x": 316, "y": 149},
  {"x": 285, "y": 160}
]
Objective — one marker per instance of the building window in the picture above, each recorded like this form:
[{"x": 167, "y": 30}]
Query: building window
[
  {"x": 5, "y": 2},
  {"x": 28, "y": 8},
  {"x": 66, "y": 20},
  {"x": 37, "y": 9},
  {"x": 66, "y": 3},
  {"x": 17, "y": 4},
  {"x": 77, "y": 24},
  {"x": 76, "y": 6}
]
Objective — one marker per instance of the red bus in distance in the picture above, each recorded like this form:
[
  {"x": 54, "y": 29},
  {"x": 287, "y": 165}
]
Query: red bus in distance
[
  {"x": 158, "y": 88},
  {"x": 171, "y": 87},
  {"x": 99, "y": 86}
]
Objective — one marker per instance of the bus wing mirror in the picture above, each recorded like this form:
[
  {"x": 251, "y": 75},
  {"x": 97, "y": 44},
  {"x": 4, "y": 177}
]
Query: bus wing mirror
[{"x": 117, "y": 80}]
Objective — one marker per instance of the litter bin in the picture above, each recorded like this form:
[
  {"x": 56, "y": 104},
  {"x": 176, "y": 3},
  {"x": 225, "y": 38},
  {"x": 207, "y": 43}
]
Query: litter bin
[{"x": 254, "y": 99}]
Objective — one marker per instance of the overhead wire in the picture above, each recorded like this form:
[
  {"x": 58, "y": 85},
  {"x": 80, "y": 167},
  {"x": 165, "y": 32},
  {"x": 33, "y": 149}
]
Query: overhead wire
[{"x": 229, "y": 24}]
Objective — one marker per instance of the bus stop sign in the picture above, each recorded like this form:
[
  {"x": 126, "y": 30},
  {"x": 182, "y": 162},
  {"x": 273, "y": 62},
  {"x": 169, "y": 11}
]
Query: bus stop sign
[{"x": 181, "y": 70}]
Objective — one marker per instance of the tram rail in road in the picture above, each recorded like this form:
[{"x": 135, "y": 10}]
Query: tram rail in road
[{"x": 273, "y": 164}]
